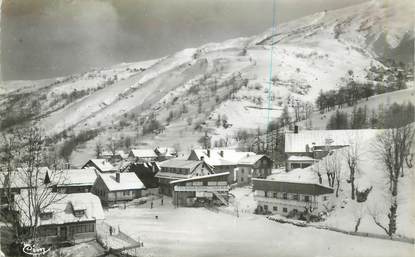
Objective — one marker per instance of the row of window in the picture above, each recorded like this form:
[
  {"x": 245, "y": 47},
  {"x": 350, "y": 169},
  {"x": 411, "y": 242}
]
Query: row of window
[
  {"x": 176, "y": 170},
  {"x": 275, "y": 208},
  {"x": 83, "y": 228},
  {"x": 48, "y": 231},
  {"x": 284, "y": 196}
]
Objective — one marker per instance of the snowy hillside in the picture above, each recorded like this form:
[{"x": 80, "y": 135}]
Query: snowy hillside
[
  {"x": 228, "y": 79},
  {"x": 370, "y": 174}
]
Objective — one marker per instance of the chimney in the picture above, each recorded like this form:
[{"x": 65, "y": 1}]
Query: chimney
[
  {"x": 307, "y": 148},
  {"x": 295, "y": 129},
  {"x": 117, "y": 177},
  {"x": 208, "y": 152},
  {"x": 221, "y": 153},
  {"x": 202, "y": 158}
]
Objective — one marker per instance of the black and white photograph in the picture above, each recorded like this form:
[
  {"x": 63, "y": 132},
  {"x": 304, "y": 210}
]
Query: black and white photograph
[{"x": 207, "y": 128}]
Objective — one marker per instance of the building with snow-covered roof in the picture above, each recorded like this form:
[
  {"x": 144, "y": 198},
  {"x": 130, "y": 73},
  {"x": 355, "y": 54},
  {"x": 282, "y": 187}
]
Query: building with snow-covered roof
[
  {"x": 303, "y": 147},
  {"x": 117, "y": 156},
  {"x": 165, "y": 153},
  {"x": 175, "y": 169},
  {"x": 76, "y": 181},
  {"x": 102, "y": 165},
  {"x": 70, "y": 218},
  {"x": 252, "y": 166},
  {"x": 222, "y": 160},
  {"x": 291, "y": 198},
  {"x": 142, "y": 155},
  {"x": 19, "y": 180},
  {"x": 210, "y": 189},
  {"x": 117, "y": 187}
]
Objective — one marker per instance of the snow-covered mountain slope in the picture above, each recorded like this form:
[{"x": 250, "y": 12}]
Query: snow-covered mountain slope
[{"x": 230, "y": 78}]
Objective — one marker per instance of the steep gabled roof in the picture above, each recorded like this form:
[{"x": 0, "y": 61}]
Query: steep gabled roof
[
  {"x": 102, "y": 164},
  {"x": 251, "y": 159},
  {"x": 128, "y": 181}
]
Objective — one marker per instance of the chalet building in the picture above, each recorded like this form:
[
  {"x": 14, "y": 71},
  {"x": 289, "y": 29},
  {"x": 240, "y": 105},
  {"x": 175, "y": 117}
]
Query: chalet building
[
  {"x": 303, "y": 148},
  {"x": 18, "y": 181},
  {"x": 252, "y": 166},
  {"x": 176, "y": 169},
  {"x": 101, "y": 165},
  {"x": 165, "y": 153},
  {"x": 211, "y": 189},
  {"x": 70, "y": 219},
  {"x": 117, "y": 156},
  {"x": 142, "y": 155},
  {"x": 222, "y": 160},
  {"x": 146, "y": 172},
  {"x": 75, "y": 181},
  {"x": 117, "y": 187},
  {"x": 289, "y": 198}
]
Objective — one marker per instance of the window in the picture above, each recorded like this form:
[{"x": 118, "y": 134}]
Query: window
[
  {"x": 284, "y": 195},
  {"x": 48, "y": 231},
  {"x": 306, "y": 198},
  {"x": 265, "y": 207},
  {"x": 45, "y": 215},
  {"x": 124, "y": 193},
  {"x": 295, "y": 165},
  {"x": 79, "y": 213},
  {"x": 295, "y": 197},
  {"x": 275, "y": 195},
  {"x": 325, "y": 198},
  {"x": 242, "y": 171},
  {"x": 275, "y": 208},
  {"x": 242, "y": 179},
  {"x": 284, "y": 210}
]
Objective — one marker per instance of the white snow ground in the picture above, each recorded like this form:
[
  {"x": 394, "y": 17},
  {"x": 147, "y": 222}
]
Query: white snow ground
[{"x": 201, "y": 232}]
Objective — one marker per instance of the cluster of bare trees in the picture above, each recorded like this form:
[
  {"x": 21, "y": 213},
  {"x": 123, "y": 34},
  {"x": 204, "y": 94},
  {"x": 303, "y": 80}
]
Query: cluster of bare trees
[
  {"x": 26, "y": 182},
  {"x": 393, "y": 147},
  {"x": 332, "y": 166}
]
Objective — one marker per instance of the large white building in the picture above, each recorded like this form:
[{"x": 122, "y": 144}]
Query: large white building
[{"x": 290, "y": 197}]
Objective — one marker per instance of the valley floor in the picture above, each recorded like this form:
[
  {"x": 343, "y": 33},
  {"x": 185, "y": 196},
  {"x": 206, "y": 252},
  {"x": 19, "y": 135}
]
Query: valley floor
[{"x": 202, "y": 232}]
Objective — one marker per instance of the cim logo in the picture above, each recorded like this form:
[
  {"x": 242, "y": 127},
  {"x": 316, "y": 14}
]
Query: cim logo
[{"x": 30, "y": 249}]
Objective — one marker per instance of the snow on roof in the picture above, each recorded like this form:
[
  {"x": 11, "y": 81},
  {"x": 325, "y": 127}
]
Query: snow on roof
[
  {"x": 179, "y": 163},
  {"x": 128, "y": 181},
  {"x": 63, "y": 208},
  {"x": 297, "y": 142},
  {"x": 19, "y": 178},
  {"x": 166, "y": 151},
  {"x": 218, "y": 157},
  {"x": 120, "y": 153},
  {"x": 200, "y": 177},
  {"x": 103, "y": 165},
  {"x": 300, "y": 158},
  {"x": 143, "y": 153},
  {"x": 77, "y": 177},
  {"x": 291, "y": 187},
  {"x": 250, "y": 159}
]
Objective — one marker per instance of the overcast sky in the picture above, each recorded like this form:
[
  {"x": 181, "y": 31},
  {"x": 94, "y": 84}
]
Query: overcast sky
[{"x": 49, "y": 38}]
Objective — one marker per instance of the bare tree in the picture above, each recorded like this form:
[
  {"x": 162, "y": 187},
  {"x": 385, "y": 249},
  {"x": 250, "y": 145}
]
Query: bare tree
[
  {"x": 351, "y": 154},
  {"x": 316, "y": 168},
  {"x": 392, "y": 147},
  {"x": 332, "y": 166},
  {"x": 98, "y": 149},
  {"x": 23, "y": 158}
]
